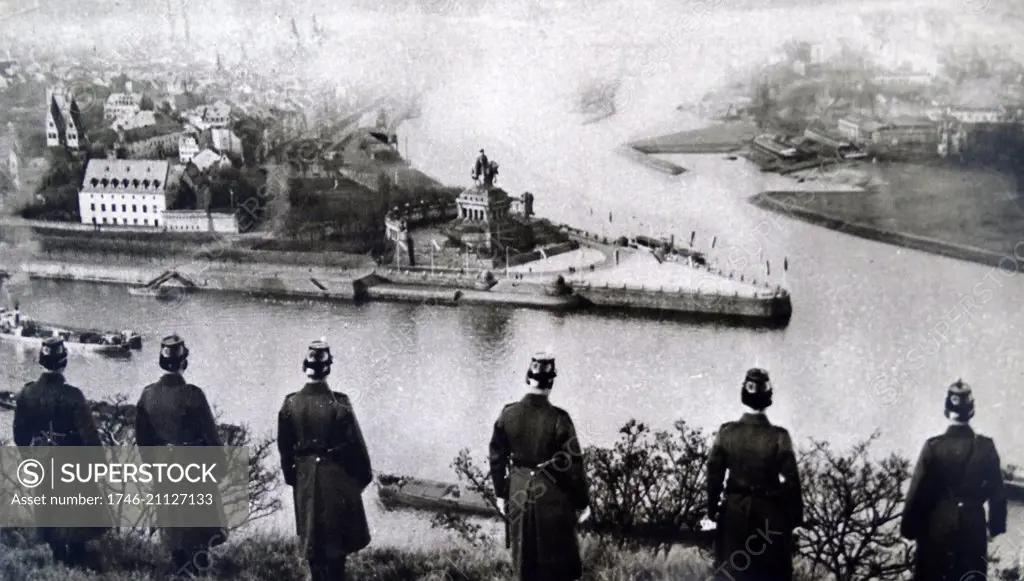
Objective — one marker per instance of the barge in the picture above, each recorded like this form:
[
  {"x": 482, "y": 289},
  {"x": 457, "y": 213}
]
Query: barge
[
  {"x": 19, "y": 329},
  {"x": 406, "y": 492}
]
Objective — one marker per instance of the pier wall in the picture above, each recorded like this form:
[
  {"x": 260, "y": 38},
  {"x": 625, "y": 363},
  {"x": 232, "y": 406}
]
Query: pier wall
[
  {"x": 449, "y": 288},
  {"x": 290, "y": 282},
  {"x": 772, "y": 306}
]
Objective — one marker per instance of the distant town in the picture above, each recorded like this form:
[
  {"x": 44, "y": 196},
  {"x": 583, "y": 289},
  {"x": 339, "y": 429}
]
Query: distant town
[{"x": 812, "y": 103}]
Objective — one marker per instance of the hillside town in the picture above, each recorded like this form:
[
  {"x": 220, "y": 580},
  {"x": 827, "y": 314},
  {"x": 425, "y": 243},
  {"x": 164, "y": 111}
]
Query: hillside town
[{"x": 163, "y": 146}]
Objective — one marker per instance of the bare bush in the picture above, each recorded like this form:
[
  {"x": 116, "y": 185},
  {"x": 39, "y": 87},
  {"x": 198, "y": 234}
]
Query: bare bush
[
  {"x": 115, "y": 421},
  {"x": 649, "y": 491},
  {"x": 852, "y": 506}
]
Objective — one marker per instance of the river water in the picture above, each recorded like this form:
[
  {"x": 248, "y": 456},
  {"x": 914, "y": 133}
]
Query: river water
[{"x": 877, "y": 332}]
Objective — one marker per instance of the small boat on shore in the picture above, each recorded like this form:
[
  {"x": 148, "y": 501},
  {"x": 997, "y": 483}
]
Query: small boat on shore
[
  {"x": 17, "y": 328},
  {"x": 431, "y": 495},
  {"x": 8, "y": 400},
  {"x": 396, "y": 492}
]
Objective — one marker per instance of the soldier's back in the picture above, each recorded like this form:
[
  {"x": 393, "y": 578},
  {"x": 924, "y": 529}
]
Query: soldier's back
[
  {"x": 532, "y": 426},
  {"x": 47, "y": 412},
  {"x": 951, "y": 451},
  {"x": 173, "y": 413},
  {"x": 752, "y": 449}
]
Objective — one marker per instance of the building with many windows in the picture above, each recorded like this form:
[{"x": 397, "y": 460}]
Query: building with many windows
[
  {"x": 63, "y": 120},
  {"x": 124, "y": 192},
  {"x": 188, "y": 148},
  {"x": 201, "y": 221},
  {"x": 120, "y": 105},
  {"x": 208, "y": 116},
  {"x": 137, "y": 120},
  {"x": 978, "y": 114}
]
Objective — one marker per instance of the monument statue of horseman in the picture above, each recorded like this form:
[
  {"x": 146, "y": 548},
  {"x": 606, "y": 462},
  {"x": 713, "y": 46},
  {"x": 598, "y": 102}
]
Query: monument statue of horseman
[{"x": 484, "y": 171}]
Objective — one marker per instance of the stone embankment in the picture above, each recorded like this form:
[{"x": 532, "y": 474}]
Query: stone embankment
[{"x": 443, "y": 287}]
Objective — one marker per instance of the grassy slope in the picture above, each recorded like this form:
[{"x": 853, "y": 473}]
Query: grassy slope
[{"x": 273, "y": 559}]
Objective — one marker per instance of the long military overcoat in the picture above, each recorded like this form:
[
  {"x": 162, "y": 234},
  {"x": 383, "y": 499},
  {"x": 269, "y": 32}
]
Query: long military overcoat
[
  {"x": 956, "y": 474},
  {"x": 173, "y": 412},
  {"x": 325, "y": 461},
  {"x": 761, "y": 503},
  {"x": 52, "y": 412},
  {"x": 541, "y": 504}
]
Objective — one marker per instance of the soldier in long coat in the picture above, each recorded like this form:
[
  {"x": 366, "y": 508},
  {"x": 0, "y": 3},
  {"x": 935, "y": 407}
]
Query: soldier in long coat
[
  {"x": 173, "y": 412},
  {"x": 956, "y": 474},
  {"x": 537, "y": 468},
  {"x": 52, "y": 412},
  {"x": 325, "y": 461},
  {"x": 761, "y": 504}
]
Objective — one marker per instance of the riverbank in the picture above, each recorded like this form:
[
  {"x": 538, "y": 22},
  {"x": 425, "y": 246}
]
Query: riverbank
[
  {"x": 782, "y": 202},
  {"x": 686, "y": 292},
  {"x": 274, "y": 557},
  {"x": 969, "y": 214}
]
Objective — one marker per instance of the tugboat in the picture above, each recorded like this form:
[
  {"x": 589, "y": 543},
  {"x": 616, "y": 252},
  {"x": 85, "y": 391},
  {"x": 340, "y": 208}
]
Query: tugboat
[{"x": 17, "y": 328}]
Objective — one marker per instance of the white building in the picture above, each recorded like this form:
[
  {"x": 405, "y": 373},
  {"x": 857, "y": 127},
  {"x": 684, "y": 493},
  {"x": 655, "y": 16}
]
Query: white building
[
  {"x": 121, "y": 105},
  {"x": 201, "y": 221},
  {"x": 124, "y": 192},
  {"x": 224, "y": 141},
  {"x": 207, "y": 159},
  {"x": 63, "y": 121},
  {"x": 977, "y": 114},
  {"x": 208, "y": 116},
  {"x": 188, "y": 148},
  {"x": 138, "y": 120}
]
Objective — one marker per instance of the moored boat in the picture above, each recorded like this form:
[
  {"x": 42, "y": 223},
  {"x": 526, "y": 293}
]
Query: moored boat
[
  {"x": 127, "y": 336},
  {"x": 17, "y": 328},
  {"x": 431, "y": 495},
  {"x": 1014, "y": 490},
  {"x": 8, "y": 400}
]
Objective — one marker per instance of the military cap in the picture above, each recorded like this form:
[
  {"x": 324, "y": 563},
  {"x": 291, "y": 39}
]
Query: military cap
[
  {"x": 53, "y": 355},
  {"x": 173, "y": 348},
  {"x": 542, "y": 369},
  {"x": 318, "y": 358},
  {"x": 959, "y": 401},
  {"x": 757, "y": 389},
  {"x": 543, "y": 363}
]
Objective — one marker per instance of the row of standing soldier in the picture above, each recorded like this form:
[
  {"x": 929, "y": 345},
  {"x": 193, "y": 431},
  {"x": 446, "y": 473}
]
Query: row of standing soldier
[
  {"x": 170, "y": 412},
  {"x": 538, "y": 473}
]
